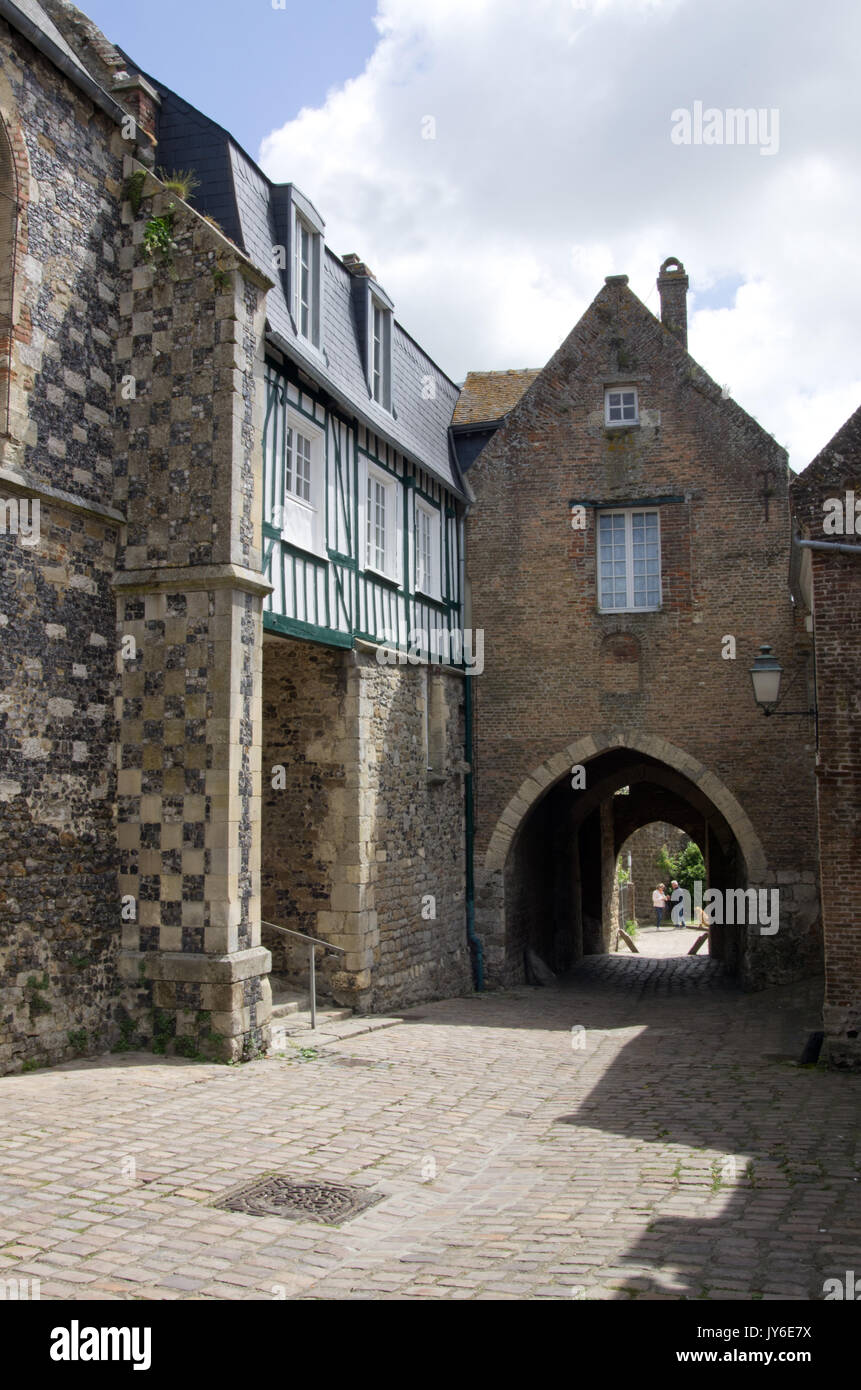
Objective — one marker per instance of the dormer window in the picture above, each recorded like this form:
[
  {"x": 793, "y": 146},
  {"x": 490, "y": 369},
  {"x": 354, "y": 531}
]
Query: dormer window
[
  {"x": 380, "y": 353},
  {"x": 304, "y": 263},
  {"x": 303, "y": 279},
  {"x": 620, "y": 406}
]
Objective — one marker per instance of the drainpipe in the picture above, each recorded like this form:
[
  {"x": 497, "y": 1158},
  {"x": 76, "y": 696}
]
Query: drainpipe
[
  {"x": 827, "y": 545},
  {"x": 476, "y": 950}
]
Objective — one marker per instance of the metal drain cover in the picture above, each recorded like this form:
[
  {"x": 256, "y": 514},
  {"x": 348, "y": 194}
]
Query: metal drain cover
[{"x": 327, "y": 1202}]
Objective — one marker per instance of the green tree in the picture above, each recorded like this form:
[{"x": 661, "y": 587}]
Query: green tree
[{"x": 688, "y": 866}]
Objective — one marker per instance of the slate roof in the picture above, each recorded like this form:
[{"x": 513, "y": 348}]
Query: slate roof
[
  {"x": 490, "y": 395},
  {"x": 238, "y": 195}
]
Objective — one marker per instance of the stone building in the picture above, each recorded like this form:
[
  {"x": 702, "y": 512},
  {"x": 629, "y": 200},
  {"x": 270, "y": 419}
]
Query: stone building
[
  {"x": 239, "y": 682},
  {"x": 232, "y": 685},
  {"x": 61, "y": 171},
  {"x": 627, "y": 552},
  {"x": 827, "y": 582}
]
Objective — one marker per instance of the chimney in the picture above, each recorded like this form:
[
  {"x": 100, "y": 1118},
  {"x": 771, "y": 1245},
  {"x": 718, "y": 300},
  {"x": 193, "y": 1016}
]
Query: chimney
[
  {"x": 142, "y": 101},
  {"x": 673, "y": 289},
  {"x": 356, "y": 266}
]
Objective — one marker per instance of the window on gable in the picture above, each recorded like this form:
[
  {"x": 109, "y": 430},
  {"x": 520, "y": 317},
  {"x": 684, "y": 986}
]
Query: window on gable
[
  {"x": 629, "y": 560},
  {"x": 620, "y": 406}
]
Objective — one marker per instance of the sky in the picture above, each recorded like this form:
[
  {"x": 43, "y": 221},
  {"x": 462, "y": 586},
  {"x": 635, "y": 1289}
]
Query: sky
[{"x": 492, "y": 161}]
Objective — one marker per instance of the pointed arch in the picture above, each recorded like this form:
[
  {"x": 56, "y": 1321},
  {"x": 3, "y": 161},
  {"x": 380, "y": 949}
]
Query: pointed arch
[{"x": 542, "y": 778}]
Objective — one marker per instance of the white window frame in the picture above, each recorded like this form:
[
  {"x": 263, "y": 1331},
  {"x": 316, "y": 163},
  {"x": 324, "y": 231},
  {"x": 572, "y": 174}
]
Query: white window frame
[
  {"x": 303, "y": 520},
  {"x": 621, "y": 391},
  {"x": 628, "y": 513},
  {"x": 380, "y": 359},
  {"x": 427, "y": 584},
  {"x": 394, "y": 524},
  {"x": 303, "y": 225}
]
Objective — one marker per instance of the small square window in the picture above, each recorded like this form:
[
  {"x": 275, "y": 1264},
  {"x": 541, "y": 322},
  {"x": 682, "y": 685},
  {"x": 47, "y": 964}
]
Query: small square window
[{"x": 620, "y": 406}]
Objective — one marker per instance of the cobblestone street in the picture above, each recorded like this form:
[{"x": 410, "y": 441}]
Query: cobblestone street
[{"x": 670, "y": 1149}]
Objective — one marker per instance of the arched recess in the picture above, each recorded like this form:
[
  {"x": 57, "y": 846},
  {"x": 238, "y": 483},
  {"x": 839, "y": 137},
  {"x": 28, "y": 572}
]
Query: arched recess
[
  {"x": 548, "y": 869},
  {"x": 539, "y": 782},
  {"x": 8, "y": 257}
]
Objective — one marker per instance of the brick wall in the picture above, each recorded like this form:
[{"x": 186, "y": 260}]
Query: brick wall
[
  {"x": 833, "y": 592},
  {"x": 549, "y": 678}
]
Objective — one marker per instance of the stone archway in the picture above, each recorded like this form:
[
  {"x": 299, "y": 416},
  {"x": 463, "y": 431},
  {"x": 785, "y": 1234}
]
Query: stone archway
[
  {"x": 590, "y": 746},
  {"x": 500, "y": 897}
]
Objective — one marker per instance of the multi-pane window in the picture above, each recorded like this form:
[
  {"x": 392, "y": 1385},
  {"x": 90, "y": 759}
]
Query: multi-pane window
[
  {"x": 629, "y": 560},
  {"x": 303, "y": 278},
  {"x": 297, "y": 465},
  {"x": 620, "y": 406},
  {"x": 380, "y": 353},
  {"x": 377, "y": 360},
  {"x": 376, "y": 523},
  {"x": 425, "y": 568}
]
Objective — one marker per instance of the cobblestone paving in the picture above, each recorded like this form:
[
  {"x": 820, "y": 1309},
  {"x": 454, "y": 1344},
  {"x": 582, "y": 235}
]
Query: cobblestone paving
[
  {"x": 664, "y": 941},
  {"x": 670, "y": 1149}
]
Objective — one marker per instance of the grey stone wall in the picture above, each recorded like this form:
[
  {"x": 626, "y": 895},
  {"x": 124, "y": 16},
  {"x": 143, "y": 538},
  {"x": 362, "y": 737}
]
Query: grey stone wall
[
  {"x": 418, "y": 837},
  {"x": 58, "y": 921},
  {"x": 362, "y": 846}
]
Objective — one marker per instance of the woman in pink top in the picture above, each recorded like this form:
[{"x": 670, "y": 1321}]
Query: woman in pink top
[{"x": 659, "y": 902}]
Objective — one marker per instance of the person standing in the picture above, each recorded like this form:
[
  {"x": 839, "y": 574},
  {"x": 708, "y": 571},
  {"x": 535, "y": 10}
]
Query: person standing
[
  {"x": 659, "y": 902},
  {"x": 677, "y": 899}
]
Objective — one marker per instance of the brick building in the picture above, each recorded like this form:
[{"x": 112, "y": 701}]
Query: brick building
[
  {"x": 627, "y": 552},
  {"x": 827, "y": 582}
]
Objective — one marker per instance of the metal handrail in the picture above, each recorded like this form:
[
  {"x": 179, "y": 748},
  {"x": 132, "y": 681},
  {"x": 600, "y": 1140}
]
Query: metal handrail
[{"x": 311, "y": 942}]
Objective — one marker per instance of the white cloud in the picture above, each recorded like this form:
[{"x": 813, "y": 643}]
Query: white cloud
[{"x": 553, "y": 166}]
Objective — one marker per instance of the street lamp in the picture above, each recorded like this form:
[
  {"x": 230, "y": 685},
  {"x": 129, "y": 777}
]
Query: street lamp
[{"x": 765, "y": 674}]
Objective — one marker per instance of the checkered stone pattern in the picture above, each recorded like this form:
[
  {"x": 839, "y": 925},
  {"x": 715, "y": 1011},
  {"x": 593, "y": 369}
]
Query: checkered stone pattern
[
  {"x": 189, "y": 474},
  {"x": 163, "y": 762},
  {"x": 189, "y": 788}
]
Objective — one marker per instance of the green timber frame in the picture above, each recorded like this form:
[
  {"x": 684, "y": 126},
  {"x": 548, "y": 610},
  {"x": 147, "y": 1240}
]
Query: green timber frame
[{"x": 322, "y": 589}]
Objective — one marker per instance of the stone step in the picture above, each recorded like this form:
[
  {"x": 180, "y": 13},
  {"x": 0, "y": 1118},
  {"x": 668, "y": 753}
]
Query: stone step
[
  {"x": 296, "y": 1030},
  {"x": 291, "y": 1014}
]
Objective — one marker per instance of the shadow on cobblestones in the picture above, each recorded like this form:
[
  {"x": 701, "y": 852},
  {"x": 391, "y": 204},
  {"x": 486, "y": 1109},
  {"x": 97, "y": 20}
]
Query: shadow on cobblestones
[{"x": 712, "y": 1085}]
